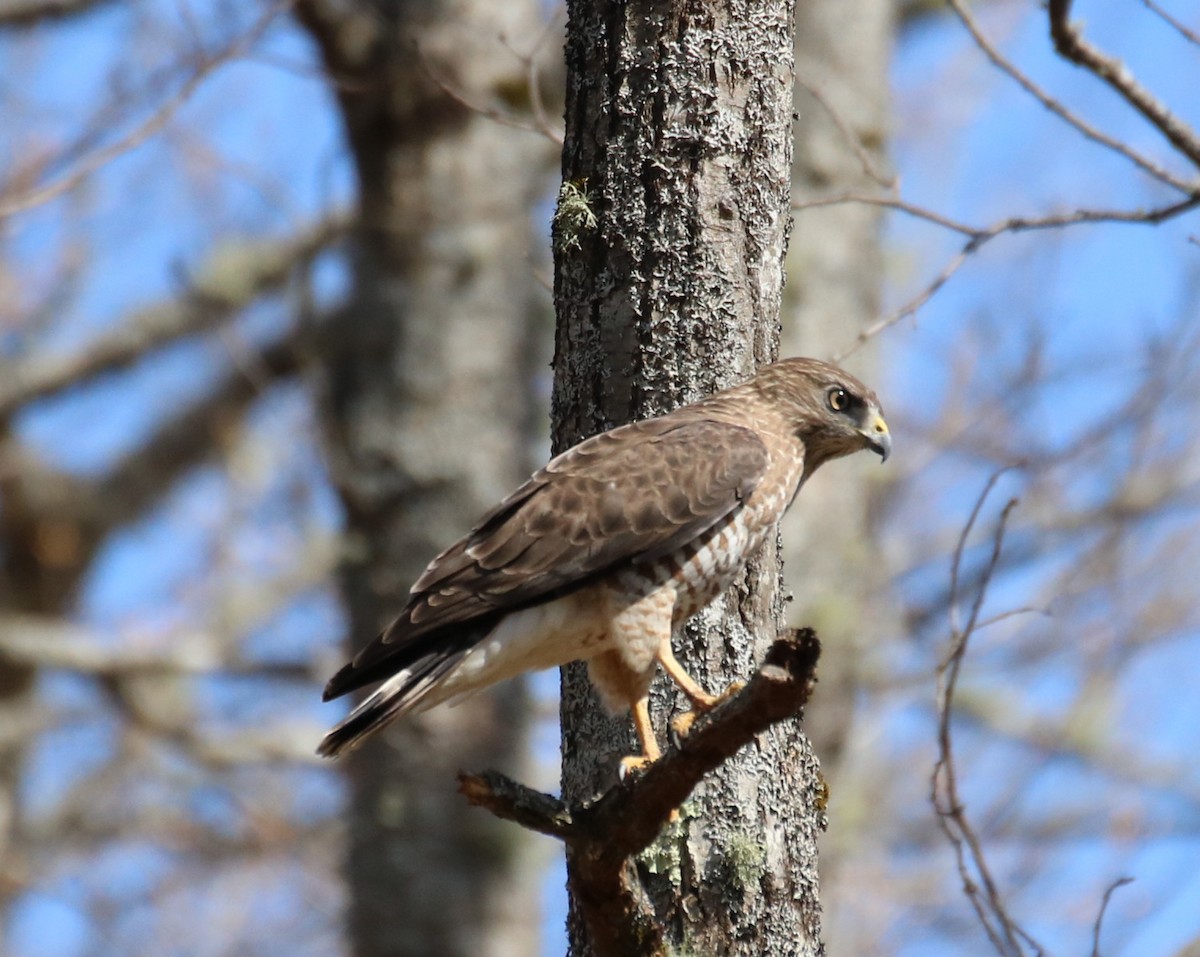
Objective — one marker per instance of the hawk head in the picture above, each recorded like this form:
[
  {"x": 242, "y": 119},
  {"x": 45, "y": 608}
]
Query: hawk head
[{"x": 828, "y": 409}]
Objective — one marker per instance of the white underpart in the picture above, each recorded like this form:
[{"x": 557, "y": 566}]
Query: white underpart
[
  {"x": 532, "y": 639},
  {"x": 631, "y": 613}
]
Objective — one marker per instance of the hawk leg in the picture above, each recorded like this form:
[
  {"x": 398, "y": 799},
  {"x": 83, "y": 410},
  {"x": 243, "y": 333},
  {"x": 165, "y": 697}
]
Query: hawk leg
[
  {"x": 645, "y": 733},
  {"x": 701, "y": 700},
  {"x": 650, "y": 749}
]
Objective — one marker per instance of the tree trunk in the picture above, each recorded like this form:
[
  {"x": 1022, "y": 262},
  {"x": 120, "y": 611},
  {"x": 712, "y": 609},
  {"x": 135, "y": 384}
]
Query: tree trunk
[
  {"x": 426, "y": 402},
  {"x": 679, "y": 145}
]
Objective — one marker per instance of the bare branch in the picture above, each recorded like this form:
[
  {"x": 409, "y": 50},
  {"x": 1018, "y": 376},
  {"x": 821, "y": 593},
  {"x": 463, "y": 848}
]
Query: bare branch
[
  {"x": 869, "y": 164},
  {"x": 42, "y": 642},
  {"x": 1071, "y": 45},
  {"x": 1156, "y": 170},
  {"x": 96, "y": 161},
  {"x": 22, "y": 14},
  {"x": 496, "y": 114},
  {"x": 979, "y": 236},
  {"x": 234, "y": 278},
  {"x": 1004, "y": 933},
  {"x": 1012, "y": 224},
  {"x": 888, "y": 202},
  {"x": 551, "y": 129},
  {"x": 91, "y": 508},
  {"x": 603, "y": 836},
  {"x": 1190, "y": 35},
  {"x": 911, "y": 307},
  {"x": 1119, "y": 882}
]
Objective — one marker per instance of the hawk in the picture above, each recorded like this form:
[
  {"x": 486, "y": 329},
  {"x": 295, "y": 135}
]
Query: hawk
[{"x": 607, "y": 550}]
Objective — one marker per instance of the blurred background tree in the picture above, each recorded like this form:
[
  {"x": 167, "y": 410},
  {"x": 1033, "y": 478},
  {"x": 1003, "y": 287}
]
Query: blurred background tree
[{"x": 272, "y": 305}]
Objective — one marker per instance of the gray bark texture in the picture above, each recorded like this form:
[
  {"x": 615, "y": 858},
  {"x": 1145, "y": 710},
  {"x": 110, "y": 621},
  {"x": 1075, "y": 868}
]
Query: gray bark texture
[
  {"x": 669, "y": 244},
  {"x": 427, "y": 425}
]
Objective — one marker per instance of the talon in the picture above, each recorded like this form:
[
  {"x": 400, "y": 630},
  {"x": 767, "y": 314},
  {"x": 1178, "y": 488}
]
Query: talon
[
  {"x": 681, "y": 725},
  {"x": 732, "y": 691},
  {"x": 633, "y": 764}
]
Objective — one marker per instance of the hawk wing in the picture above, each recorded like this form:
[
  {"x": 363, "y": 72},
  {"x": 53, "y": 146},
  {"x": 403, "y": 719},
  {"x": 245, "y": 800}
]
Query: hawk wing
[{"x": 628, "y": 496}]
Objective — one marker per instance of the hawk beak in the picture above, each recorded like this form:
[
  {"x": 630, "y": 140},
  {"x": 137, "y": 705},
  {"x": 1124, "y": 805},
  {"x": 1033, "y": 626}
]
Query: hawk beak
[{"x": 877, "y": 436}]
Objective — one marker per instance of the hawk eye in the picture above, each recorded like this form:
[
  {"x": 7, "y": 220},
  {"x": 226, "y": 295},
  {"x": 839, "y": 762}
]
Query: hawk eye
[{"x": 839, "y": 400}]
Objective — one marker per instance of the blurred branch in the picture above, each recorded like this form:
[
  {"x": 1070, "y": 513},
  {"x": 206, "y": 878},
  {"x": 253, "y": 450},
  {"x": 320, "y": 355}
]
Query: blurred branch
[
  {"x": 144, "y": 475},
  {"x": 1004, "y": 933},
  {"x": 602, "y": 837},
  {"x": 540, "y": 123},
  {"x": 34, "y": 493},
  {"x": 45, "y": 641},
  {"x": 870, "y": 166},
  {"x": 554, "y": 24},
  {"x": 1058, "y": 738},
  {"x": 1112, "y": 888},
  {"x": 1190, "y": 35},
  {"x": 1070, "y": 44},
  {"x": 139, "y": 673},
  {"x": 22, "y": 14},
  {"x": 204, "y": 67},
  {"x": 233, "y": 278}
]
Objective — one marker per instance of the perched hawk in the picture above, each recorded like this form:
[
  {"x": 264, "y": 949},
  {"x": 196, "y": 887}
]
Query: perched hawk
[{"x": 607, "y": 550}]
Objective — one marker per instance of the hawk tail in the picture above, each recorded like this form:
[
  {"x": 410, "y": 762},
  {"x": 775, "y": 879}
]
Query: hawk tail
[{"x": 405, "y": 691}]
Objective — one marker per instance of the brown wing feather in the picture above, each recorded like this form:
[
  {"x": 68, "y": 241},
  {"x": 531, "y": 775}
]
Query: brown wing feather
[{"x": 631, "y": 495}]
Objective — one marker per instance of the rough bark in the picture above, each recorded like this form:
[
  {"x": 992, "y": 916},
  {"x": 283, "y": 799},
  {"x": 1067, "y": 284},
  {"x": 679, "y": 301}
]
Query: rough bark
[
  {"x": 669, "y": 269},
  {"x": 604, "y": 836},
  {"x": 427, "y": 427}
]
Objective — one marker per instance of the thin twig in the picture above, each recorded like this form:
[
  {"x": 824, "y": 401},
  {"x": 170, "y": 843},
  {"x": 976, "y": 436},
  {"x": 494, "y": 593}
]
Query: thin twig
[
  {"x": 869, "y": 163},
  {"x": 224, "y": 286},
  {"x": 979, "y": 236},
  {"x": 1190, "y": 35},
  {"x": 1012, "y": 224},
  {"x": 96, "y": 161},
  {"x": 1071, "y": 45},
  {"x": 1119, "y": 882},
  {"x": 1003, "y": 932},
  {"x": 533, "y": 77},
  {"x": 916, "y": 302},
  {"x": 888, "y": 202},
  {"x": 989, "y": 50},
  {"x": 1012, "y": 613},
  {"x": 493, "y": 113}
]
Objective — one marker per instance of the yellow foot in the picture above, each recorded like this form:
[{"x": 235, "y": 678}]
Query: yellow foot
[
  {"x": 681, "y": 724},
  {"x": 633, "y": 764},
  {"x": 735, "y": 688}
]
